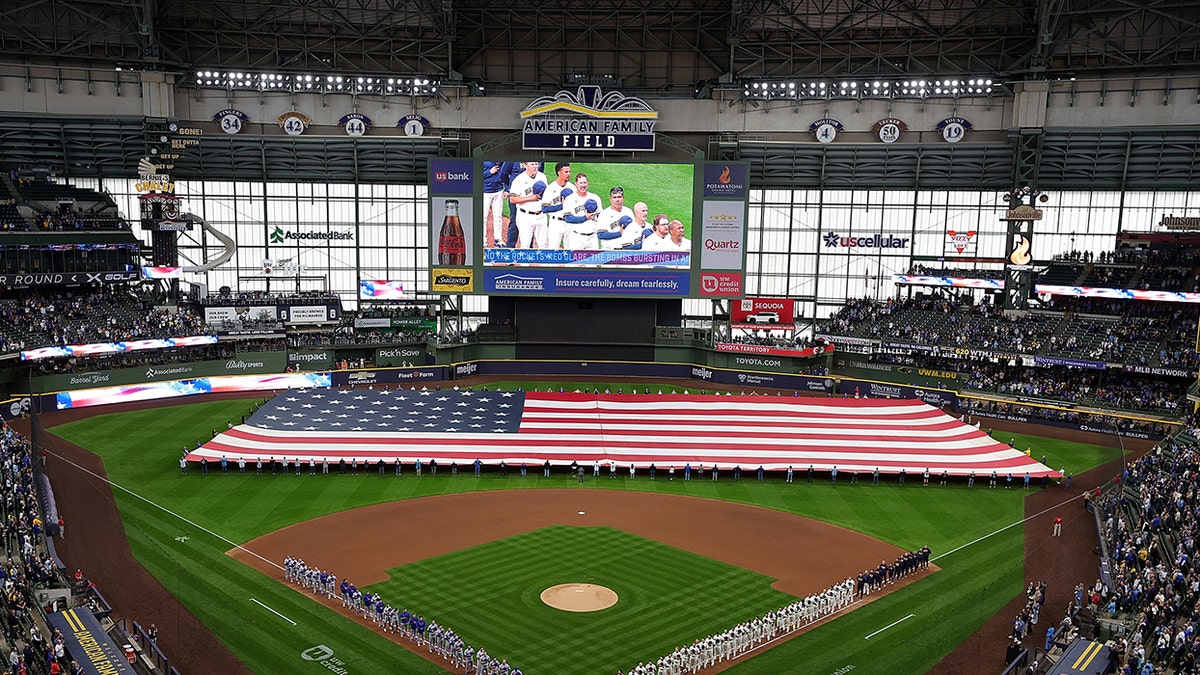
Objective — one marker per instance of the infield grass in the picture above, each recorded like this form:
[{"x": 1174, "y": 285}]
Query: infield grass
[
  {"x": 668, "y": 594},
  {"x": 141, "y": 450}
]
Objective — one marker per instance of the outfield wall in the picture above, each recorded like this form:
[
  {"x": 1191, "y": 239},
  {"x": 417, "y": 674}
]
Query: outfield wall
[{"x": 267, "y": 371}]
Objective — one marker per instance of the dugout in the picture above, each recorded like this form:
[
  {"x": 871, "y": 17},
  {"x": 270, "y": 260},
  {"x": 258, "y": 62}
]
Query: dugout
[
  {"x": 88, "y": 644},
  {"x": 1084, "y": 657}
]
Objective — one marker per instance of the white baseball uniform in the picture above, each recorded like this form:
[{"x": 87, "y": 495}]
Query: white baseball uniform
[
  {"x": 531, "y": 223},
  {"x": 608, "y": 221},
  {"x": 582, "y": 235}
]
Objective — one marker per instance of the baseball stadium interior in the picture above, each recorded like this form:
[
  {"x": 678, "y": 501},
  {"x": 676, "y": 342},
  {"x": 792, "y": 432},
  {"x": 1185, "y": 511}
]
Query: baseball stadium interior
[{"x": 987, "y": 209}]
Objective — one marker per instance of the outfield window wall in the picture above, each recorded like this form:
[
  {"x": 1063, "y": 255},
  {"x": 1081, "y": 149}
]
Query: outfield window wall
[{"x": 340, "y": 233}]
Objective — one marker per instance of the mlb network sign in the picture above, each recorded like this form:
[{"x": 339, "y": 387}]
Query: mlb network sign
[{"x": 451, "y": 176}]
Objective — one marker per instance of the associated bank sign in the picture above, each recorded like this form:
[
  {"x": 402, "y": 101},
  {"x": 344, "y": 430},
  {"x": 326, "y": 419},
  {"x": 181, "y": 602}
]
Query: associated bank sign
[
  {"x": 588, "y": 119},
  {"x": 280, "y": 235}
]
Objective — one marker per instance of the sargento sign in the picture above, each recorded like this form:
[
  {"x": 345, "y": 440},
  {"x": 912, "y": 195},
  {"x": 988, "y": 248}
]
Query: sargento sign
[{"x": 588, "y": 119}]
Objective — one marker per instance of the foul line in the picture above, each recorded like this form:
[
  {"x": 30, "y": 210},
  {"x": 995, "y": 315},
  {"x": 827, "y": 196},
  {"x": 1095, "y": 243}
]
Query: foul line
[
  {"x": 1006, "y": 527},
  {"x": 889, "y": 626},
  {"x": 255, "y": 601},
  {"x": 166, "y": 510}
]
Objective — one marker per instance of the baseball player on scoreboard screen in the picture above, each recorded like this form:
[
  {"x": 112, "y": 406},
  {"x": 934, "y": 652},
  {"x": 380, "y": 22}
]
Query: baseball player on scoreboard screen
[
  {"x": 660, "y": 237},
  {"x": 631, "y": 234},
  {"x": 552, "y": 205},
  {"x": 525, "y": 196},
  {"x": 614, "y": 219},
  {"x": 675, "y": 239},
  {"x": 495, "y": 175},
  {"x": 580, "y": 211}
]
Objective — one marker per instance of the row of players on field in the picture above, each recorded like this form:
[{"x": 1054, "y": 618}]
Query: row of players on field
[
  {"x": 703, "y": 653},
  {"x": 564, "y": 214},
  {"x": 748, "y": 635},
  {"x": 440, "y": 640}
]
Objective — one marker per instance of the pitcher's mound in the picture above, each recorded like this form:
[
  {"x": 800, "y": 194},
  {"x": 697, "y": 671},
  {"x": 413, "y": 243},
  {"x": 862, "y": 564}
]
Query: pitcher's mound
[{"x": 579, "y": 597}]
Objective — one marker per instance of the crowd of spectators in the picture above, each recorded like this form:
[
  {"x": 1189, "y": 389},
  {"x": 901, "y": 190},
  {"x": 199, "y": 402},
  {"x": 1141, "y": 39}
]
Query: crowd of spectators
[
  {"x": 31, "y": 647},
  {"x": 976, "y": 408},
  {"x": 225, "y": 296},
  {"x": 956, "y": 272},
  {"x": 376, "y": 311},
  {"x": 155, "y": 357},
  {"x": 1102, "y": 388},
  {"x": 1140, "y": 333},
  {"x": 1150, "y": 519},
  {"x": 103, "y": 314}
]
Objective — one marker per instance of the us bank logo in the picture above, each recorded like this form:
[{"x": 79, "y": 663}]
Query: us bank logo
[
  {"x": 725, "y": 180},
  {"x": 451, "y": 176}
]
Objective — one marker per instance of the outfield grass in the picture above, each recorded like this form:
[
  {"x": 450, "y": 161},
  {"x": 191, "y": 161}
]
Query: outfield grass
[
  {"x": 141, "y": 451},
  {"x": 669, "y": 596}
]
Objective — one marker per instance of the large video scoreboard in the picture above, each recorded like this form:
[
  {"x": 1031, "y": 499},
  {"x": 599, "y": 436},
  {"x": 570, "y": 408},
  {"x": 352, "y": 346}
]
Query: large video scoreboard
[{"x": 588, "y": 228}]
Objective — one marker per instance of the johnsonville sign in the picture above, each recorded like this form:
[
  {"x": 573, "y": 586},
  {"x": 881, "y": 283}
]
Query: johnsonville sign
[{"x": 588, "y": 119}]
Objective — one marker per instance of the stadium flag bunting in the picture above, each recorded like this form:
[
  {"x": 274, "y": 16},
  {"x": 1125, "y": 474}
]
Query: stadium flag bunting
[{"x": 666, "y": 430}]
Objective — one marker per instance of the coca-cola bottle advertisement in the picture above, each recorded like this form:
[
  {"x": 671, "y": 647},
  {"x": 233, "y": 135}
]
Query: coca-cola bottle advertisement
[{"x": 452, "y": 228}]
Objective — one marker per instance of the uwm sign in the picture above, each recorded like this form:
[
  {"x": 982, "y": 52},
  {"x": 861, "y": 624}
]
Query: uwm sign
[{"x": 773, "y": 313}]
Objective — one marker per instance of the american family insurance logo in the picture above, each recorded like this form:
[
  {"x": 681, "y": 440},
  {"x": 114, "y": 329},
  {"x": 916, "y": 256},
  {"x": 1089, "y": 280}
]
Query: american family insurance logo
[
  {"x": 451, "y": 176},
  {"x": 725, "y": 180}
]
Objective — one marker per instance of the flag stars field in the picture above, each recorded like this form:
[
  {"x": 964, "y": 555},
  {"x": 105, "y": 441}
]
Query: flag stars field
[{"x": 639, "y": 429}]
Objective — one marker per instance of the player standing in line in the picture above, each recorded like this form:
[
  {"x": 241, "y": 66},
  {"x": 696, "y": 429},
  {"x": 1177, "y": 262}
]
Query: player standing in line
[
  {"x": 658, "y": 239},
  {"x": 675, "y": 239},
  {"x": 552, "y": 205},
  {"x": 631, "y": 234},
  {"x": 495, "y": 175},
  {"x": 614, "y": 219},
  {"x": 580, "y": 211},
  {"x": 525, "y": 196}
]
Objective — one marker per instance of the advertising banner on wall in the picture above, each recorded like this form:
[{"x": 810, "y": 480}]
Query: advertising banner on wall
[
  {"x": 772, "y": 313},
  {"x": 585, "y": 282},
  {"x": 310, "y": 359},
  {"x": 245, "y": 363},
  {"x": 381, "y": 290},
  {"x": 724, "y": 238},
  {"x": 307, "y": 314},
  {"x": 937, "y": 398},
  {"x": 175, "y": 388},
  {"x": 404, "y": 323},
  {"x": 404, "y": 355},
  {"x": 386, "y": 376},
  {"x": 745, "y": 348}
]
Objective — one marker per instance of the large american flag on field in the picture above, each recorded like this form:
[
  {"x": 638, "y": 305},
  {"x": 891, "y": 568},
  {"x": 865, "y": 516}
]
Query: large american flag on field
[{"x": 462, "y": 425}]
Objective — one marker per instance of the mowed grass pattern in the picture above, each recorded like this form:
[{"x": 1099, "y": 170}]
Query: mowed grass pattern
[
  {"x": 667, "y": 597},
  {"x": 141, "y": 450}
]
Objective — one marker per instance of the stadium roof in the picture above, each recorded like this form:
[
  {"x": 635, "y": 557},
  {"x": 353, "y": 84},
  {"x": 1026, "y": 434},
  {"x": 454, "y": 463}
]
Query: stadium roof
[{"x": 525, "y": 45}]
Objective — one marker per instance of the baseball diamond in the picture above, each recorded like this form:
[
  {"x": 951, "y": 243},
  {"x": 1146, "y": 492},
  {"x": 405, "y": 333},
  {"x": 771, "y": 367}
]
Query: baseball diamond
[{"x": 605, "y": 338}]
